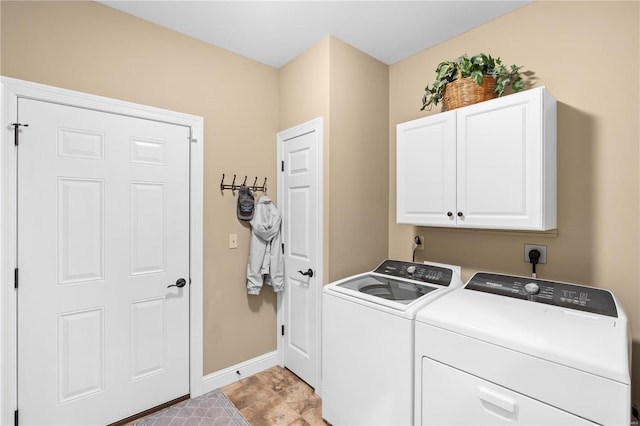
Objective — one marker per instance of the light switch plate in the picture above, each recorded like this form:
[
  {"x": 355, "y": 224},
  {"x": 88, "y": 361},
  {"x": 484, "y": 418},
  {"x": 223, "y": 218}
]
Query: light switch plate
[{"x": 233, "y": 241}]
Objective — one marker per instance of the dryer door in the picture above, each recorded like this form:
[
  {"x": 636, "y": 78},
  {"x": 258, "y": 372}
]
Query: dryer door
[{"x": 454, "y": 397}]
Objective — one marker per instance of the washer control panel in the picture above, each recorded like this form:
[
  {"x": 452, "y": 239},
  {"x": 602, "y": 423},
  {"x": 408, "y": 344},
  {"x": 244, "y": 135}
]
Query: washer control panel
[
  {"x": 416, "y": 271},
  {"x": 566, "y": 295}
]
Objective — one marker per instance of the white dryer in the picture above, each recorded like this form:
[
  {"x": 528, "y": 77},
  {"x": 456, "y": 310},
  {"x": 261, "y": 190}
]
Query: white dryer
[
  {"x": 367, "y": 341},
  {"x": 517, "y": 350}
]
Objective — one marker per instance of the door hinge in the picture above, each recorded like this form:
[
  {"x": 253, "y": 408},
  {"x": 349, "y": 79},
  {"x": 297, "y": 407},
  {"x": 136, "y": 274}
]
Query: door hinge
[
  {"x": 282, "y": 330},
  {"x": 15, "y": 418},
  {"x": 15, "y": 278},
  {"x": 16, "y": 131},
  {"x": 190, "y": 137},
  {"x": 282, "y": 166}
]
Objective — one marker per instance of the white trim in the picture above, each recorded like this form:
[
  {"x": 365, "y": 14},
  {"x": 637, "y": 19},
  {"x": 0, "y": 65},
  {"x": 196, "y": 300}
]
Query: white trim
[
  {"x": 8, "y": 376},
  {"x": 315, "y": 125},
  {"x": 12, "y": 89},
  {"x": 247, "y": 368}
]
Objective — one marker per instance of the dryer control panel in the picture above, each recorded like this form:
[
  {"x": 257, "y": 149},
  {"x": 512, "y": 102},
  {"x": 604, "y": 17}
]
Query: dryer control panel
[
  {"x": 416, "y": 271},
  {"x": 566, "y": 295}
]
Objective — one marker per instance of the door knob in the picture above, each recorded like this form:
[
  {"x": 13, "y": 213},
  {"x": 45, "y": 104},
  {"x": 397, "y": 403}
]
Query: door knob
[
  {"x": 309, "y": 273},
  {"x": 180, "y": 283}
]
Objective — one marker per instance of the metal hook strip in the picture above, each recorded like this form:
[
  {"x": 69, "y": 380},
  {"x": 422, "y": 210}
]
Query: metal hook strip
[{"x": 233, "y": 187}]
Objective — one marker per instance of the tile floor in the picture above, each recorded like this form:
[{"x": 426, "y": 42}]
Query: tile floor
[{"x": 276, "y": 397}]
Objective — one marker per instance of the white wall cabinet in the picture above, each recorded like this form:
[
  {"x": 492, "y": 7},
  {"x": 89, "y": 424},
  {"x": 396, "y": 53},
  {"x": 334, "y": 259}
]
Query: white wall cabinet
[{"x": 489, "y": 165}]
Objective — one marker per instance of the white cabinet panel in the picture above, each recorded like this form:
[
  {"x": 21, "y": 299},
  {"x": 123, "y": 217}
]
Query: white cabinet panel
[
  {"x": 501, "y": 174},
  {"x": 426, "y": 157}
]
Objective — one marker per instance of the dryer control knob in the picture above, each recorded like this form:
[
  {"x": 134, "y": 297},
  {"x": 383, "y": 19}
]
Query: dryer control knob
[
  {"x": 532, "y": 288},
  {"x": 411, "y": 269}
]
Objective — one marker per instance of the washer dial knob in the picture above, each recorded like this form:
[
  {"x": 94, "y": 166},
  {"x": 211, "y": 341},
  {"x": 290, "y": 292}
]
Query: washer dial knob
[
  {"x": 532, "y": 288},
  {"x": 411, "y": 269}
]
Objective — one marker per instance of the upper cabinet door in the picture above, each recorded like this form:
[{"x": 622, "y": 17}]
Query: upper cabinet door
[
  {"x": 503, "y": 164},
  {"x": 426, "y": 170}
]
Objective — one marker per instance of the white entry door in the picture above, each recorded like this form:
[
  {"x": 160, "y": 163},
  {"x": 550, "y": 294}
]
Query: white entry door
[
  {"x": 300, "y": 150},
  {"x": 103, "y": 231}
]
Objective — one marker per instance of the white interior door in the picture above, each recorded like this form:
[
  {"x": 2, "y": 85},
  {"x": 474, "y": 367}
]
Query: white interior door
[
  {"x": 103, "y": 230},
  {"x": 300, "y": 150}
]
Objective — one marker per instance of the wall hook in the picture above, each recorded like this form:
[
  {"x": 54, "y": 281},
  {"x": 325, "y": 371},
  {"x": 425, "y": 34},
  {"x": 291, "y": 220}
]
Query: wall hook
[{"x": 233, "y": 187}]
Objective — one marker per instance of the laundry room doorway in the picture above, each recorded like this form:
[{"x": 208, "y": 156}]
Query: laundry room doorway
[
  {"x": 300, "y": 202},
  {"x": 107, "y": 227}
]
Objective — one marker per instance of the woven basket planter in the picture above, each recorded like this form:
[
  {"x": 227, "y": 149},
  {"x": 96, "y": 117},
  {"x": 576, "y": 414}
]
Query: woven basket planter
[{"x": 464, "y": 91}]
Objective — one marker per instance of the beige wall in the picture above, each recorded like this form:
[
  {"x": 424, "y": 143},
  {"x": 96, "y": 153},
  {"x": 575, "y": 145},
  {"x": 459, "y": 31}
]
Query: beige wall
[
  {"x": 587, "y": 55},
  {"x": 349, "y": 89},
  {"x": 92, "y": 48},
  {"x": 359, "y": 187}
]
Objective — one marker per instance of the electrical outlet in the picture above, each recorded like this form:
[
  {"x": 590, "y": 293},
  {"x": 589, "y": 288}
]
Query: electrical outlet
[
  {"x": 420, "y": 242},
  {"x": 233, "y": 241},
  {"x": 541, "y": 249}
]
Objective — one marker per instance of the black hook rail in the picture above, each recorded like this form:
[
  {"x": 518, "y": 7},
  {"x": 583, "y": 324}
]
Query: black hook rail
[{"x": 233, "y": 187}]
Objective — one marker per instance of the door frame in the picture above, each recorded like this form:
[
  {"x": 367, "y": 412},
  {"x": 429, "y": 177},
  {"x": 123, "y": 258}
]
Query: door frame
[
  {"x": 315, "y": 125},
  {"x": 10, "y": 91}
]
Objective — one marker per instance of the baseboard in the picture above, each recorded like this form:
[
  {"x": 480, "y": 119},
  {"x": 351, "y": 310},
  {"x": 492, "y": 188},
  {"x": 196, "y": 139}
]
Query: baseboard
[{"x": 239, "y": 371}]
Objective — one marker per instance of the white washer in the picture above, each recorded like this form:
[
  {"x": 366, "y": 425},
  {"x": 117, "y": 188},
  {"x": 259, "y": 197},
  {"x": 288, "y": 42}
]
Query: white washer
[
  {"x": 517, "y": 350},
  {"x": 367, "y": 341}
]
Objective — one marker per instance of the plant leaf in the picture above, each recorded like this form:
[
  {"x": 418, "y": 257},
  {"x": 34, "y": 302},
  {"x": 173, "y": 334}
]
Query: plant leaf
[
  {"x": 477, "y": 77},
  {"x": 518, "y": 85}
]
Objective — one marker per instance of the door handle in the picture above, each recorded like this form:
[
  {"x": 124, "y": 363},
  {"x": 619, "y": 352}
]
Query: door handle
[
  {"x": 309, "y": 273},
  {"x": 180, "y": 283}
]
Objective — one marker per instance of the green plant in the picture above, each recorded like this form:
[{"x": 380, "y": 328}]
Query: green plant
[{"x": 475, "y": 67}]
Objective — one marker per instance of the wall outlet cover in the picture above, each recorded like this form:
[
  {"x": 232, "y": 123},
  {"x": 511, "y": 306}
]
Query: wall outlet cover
[{"x": 542, "y": 249}]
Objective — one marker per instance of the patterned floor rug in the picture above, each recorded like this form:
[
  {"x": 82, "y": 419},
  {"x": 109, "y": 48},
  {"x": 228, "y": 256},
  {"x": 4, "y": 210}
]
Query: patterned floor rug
[{"x": 212, "y": 408}]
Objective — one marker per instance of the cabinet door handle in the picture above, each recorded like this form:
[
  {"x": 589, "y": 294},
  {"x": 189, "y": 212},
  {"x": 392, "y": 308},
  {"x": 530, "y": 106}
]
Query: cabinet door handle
[
  {"x": 460, "y": 214},
  {"x": 449, "y": 214}
]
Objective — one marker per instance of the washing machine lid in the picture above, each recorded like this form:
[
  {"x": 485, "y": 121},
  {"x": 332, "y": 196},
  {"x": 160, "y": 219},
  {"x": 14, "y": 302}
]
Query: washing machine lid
[
  {"x": 553, "y": 329},
  {"x": 398, "y": 285},
  {"x": 387, "y": 288}
]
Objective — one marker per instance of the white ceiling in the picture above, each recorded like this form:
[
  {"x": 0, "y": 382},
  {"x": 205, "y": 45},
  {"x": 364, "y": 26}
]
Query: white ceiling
[{"x": 275, "y": 32}]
